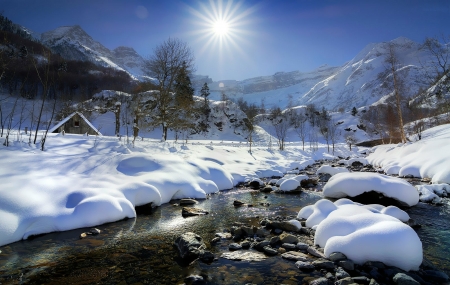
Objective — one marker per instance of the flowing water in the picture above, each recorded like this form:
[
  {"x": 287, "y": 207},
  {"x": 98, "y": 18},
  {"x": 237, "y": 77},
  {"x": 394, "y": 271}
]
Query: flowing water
[{"x": 140, "y": 251}]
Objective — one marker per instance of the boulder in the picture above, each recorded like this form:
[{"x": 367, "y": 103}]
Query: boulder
[{"x": 190, "y": 245}]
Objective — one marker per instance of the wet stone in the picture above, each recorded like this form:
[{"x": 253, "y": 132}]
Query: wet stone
[
  {"x": 313, "y": 251},
  {"x": 337, "y": 256},
  {"x": 288, "y": 246},
  {"x": 234, "y": 246},
  {"x": 347, "y": 264},
  {"x": 403, "y": 279},
  {"x": 295, "y": 255},
  {"x": 304, "y": 265},
  {"x": 323, "y": 263},
  {"x": 187, "y": 212},
  {"x": 238, "y": 203},
  {"x": 302, "y": 246},
  {"x": 341, "y": 273},
  {"x": 270, "y": 251}
]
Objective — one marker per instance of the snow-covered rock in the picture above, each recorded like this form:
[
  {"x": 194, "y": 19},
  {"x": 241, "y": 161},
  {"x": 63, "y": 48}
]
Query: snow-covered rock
[
  {"x": 366, "y": 236},
  {"x": 290, "y": 184},
  {"x": 364, "y": 232},
  {"x": 355, "y": 183}
]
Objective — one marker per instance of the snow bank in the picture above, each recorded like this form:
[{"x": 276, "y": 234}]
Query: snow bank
[
  {"x": 425, "y": 158},
  {"x": 356, "y": 183},
  {"x": 331, "y": 170},
  {"x": 364, "y": 232}
]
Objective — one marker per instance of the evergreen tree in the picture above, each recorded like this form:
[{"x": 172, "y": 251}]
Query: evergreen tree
[
  {"x": 205, "y": 109},
  {"x": 354, "y": 111},
  {"x": 184, "y": 109}
]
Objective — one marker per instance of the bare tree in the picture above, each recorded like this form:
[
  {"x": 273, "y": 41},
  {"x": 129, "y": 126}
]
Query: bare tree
[
  {"x": 299, "y": 124},
  {"x": 440, "y": 51},
  {"x": 334, "y": 133},
  {"x": 280, "y": 121},
  {"x": 164, "y": 65},
  {"x": 394, "y": 81},
  {"x": 251, "y": 111},
  {"x": 313, "y": 139},
  {"x": 350, "y": 140}
]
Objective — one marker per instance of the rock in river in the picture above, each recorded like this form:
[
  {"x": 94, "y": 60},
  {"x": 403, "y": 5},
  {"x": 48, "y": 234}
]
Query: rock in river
[
  {"x": 188, "y": 211},
  {"x": 190, "y": 245}
]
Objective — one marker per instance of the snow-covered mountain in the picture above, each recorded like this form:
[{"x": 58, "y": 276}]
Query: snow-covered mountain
[
  {"x": 355, "y": 84},
  {"x": 73, "y": 43}
]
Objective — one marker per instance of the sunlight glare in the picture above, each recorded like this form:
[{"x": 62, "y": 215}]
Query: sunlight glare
[{"x": 220, "y": 28}]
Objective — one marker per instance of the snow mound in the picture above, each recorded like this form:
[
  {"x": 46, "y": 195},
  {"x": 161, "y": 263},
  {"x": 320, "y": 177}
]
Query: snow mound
[
  {"x": 355, "y": 183},
  {"x": 366, "y": 236},
  {"x": 290, "y": 184},
  {"x": 331, "y": 170},
  {"x": 315, "y": 214}
]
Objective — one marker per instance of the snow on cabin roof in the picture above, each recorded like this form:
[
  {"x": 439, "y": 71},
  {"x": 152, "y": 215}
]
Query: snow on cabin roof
[{"x": 68, "y": 118}]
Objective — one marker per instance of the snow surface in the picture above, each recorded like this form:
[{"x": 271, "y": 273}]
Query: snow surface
[
  {"x": 427, "y": 158},
  {"x": 364, "y": 232},
  {"x": 355, "y": 183},
  {"x": 82, "y": 181}
]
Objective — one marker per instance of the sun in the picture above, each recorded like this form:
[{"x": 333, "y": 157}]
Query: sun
[{"x": 220, "y": 28}]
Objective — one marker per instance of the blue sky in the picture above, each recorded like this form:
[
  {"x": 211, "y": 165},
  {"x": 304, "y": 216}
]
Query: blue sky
[{"x": 263, "y": 37}]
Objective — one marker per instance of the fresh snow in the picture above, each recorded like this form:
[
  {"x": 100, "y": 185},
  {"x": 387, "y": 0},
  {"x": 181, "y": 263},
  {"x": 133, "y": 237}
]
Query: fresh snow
[
  {"x": 427, "y": 158},
  {"x": 82, "y": 181},
  {"x": 364, "y": 232},
  {"x": 356, "y": 183}
]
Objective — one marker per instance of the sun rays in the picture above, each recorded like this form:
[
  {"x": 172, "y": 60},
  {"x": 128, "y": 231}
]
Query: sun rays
[{"x": 221, "y": 28}]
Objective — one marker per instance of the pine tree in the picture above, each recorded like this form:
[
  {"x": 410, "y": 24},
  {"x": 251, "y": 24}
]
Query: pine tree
[
  {"x": 205, "y": 109},
  {"x": 184, "y": 111},
  {"x": 354, "y": 111}
]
